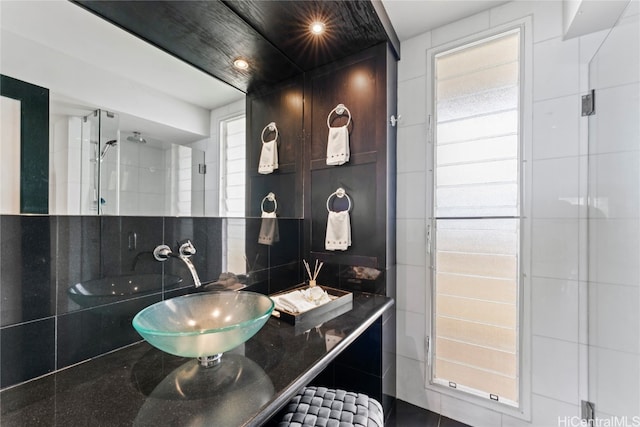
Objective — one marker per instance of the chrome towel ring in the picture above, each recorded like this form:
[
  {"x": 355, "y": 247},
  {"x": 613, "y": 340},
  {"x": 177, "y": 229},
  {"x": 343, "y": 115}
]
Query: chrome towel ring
[
  {"x": 339, "y": 110},
  {"x": 271, "y": 127},
  {"x": 340, "y": 193},
  {"x": 272, "y": 198}
]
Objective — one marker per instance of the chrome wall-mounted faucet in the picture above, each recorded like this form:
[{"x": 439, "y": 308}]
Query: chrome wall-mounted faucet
[{"x": 186, "y": 250}]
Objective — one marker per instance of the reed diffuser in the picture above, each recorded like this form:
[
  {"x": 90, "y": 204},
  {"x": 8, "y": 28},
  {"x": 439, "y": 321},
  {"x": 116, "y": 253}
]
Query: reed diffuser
[{"x": 316, "y": 271}]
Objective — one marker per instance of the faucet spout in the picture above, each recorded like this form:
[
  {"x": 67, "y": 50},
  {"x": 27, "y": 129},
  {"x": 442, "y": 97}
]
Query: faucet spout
[
  {"x": 163, "y": 252},
  {"x": 192, "y": 270}
]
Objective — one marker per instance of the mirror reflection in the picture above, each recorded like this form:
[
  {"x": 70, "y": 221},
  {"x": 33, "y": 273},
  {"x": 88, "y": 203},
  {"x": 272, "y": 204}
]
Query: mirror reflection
[{"x": 133, "y": 130}]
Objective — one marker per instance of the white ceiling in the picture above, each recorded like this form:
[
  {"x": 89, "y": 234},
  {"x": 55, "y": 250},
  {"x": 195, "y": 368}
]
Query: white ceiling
[
  {"x": 68, "y": 28},
  {"x": 413, "y": 17}
]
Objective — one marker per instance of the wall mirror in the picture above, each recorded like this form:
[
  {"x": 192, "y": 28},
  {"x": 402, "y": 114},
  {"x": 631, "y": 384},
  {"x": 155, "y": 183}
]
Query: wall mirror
[{"x": 131, "y": 128}]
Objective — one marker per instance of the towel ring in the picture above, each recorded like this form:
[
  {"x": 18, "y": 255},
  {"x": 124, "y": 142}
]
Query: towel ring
[
  {"x": 339, "y": 110},
  {"x": 339, "y": 193},
  {"x": 272, "y": 198},
  {"x": 271, "y": 127}
]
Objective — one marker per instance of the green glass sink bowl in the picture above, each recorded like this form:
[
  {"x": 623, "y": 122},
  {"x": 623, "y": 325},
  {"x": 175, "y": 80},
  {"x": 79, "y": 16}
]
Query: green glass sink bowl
[{"x": 203, "y": 324}]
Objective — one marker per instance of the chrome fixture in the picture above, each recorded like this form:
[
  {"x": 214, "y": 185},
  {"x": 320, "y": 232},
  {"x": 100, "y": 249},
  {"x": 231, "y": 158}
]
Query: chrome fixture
[
  {"x": 136, "y": 138},
  {"x": 186, "y": 250},
  {"x": 106, "y": 148}
]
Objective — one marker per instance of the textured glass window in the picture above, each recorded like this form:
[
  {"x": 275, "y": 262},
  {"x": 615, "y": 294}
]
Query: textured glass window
[
  {"x": 232, "y": 167},
  {"x": 476, "y": 218},
  {"x": 232, "y": 192}
]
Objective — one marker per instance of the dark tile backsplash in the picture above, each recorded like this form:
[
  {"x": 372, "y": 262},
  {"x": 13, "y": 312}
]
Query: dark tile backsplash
[
  {"x": 27, "y": 290},
  {"x": 27, "y": 350},
  {"x": 46, "y": 326}
]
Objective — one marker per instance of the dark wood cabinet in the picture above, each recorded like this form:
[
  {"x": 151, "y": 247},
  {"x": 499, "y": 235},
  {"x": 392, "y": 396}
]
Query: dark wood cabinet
[{"x": 366, "y": 84}]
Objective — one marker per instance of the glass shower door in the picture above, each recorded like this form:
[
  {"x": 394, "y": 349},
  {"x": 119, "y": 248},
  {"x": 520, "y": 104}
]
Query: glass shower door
[
  {"x": 613, "y": 337},
  {"x": 100, "y": 164}
]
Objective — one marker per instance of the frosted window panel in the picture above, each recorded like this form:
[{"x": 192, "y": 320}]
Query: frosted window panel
[
  {"x": 487, "y": 288},
  {"x": 501, "y": 385},
  {"x": 498, "y": 266},
  {"x": 477, "y": 200},
  {"x": 235, "y": 205},
  {"x": 505, "y": 147},
  {"x": 483, "y": 80},
  {"x": 479, "y": 311},
  {"x": 505, "y": 123},
  {"x": 477, "y": 175},
  {"x": 235, "y": 179},
  {"x": 235, "y": 165},
  {"x": 476, "y": 57},
  {"x": 476, "y": 333},
  {"x": 236, "y": 126},
  {"x": 489, "y": 359},
  {"x": 498, "y": 225},
  {"x": 236, "y": 153},
  {"x": 478, "y": 241},
  {"x": 479, "y": 103},
  {"x": 502, "y": 171}
]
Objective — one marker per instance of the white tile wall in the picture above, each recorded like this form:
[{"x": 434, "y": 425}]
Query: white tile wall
[
  {"x": 555, "y": 308},
  {"x": 411, "y": 241},
  {"x": 546, "y": 412},
  {"x": 555, "y": 248},
  {"x": 555, "y": 128},
  {"x": 412, "y": 294},
  {"x": 617, "y": 127},
  {"x": 566, "y": 361},
  {"x": 556, "y": 188},
  {"x": 613, "y": 317},
  {"x": 412, "y": 152},
  {"x": 614, "y": 251},
  {"x": 614, "y": 381},
  {"x": 555, "y": 369},
  {"x": 411, "y": 204},
  {"x": 410, "y": 341},
  {"x": 555, "y": 69}
]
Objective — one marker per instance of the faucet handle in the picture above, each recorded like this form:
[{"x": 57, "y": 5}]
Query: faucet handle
[
  {"x": 187, "y": 249},
  {"x": 162, "y": 252}
]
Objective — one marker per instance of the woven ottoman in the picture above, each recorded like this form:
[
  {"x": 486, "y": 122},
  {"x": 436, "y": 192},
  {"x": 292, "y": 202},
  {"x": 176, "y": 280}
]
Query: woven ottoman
[{"x": 325, "y": 407}]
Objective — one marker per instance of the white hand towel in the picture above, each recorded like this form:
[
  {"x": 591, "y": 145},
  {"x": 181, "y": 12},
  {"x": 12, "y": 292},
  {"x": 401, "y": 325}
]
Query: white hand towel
[
  {"x": 269, "y": 231},
  {"x": 338, "y": 236},
  {"x": 338, "y": 146},
  {"x": 293, "y": 302},
  {"x": 268, "y": 157}
]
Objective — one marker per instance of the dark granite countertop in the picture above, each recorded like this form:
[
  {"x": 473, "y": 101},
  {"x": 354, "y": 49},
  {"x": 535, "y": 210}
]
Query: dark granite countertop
[{"x": 140, "y": 385}]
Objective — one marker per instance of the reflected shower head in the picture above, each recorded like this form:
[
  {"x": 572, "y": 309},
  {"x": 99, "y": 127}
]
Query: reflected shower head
[
  {"x": 136, "y": 138},
  {"x": 107, "y": 145}
]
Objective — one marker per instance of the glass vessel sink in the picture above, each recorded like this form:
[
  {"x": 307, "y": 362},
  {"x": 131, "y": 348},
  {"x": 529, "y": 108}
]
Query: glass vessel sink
[{"x": 203, "y": 325}]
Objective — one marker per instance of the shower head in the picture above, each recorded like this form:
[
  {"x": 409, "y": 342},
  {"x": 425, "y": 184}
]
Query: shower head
[
  {"x": 107, "y": 145},
  {"x": 136, "y": 138}
]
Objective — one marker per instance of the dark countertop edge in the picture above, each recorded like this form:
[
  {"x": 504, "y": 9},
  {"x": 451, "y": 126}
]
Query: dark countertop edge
[{"x": 285, "y": 396}]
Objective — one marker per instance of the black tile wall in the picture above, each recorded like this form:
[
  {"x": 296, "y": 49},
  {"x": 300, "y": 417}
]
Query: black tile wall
[
  {"x": 43, "y": 327},
  {"x": 27, "y": 291},
  {"x": 206, "y": 236},
  {"x": 27, "y": 351},
  {"x": 78, "y": 256}
]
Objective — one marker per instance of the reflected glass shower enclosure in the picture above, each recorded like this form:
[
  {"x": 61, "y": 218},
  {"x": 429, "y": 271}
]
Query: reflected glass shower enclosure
[{"x": 100, "y": 165}]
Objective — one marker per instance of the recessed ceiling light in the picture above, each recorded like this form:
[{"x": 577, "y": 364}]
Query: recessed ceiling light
[
  {"x": 317, "y": 27},
  {"x": 241, "y": 64}
]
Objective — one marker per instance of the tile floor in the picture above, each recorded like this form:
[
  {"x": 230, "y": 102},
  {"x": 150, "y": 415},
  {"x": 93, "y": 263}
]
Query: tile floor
[{"x": 408, "y": 415}]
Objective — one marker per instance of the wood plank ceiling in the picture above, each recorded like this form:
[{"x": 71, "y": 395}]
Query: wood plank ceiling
[{"x": 273, "y": 36}]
